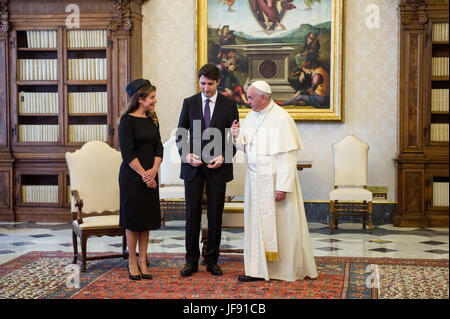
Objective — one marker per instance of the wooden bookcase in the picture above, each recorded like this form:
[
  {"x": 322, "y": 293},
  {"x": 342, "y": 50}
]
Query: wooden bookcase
[
  {"x": 59, "y": 87},
  {"x": 422, "y": 159}
]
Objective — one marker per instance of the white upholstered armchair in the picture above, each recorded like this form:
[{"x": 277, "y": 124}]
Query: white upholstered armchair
[
  {"x": 350, "y": 196},
  {"x": 171, "y": 186},
  {"x": 95, "y": 201}
]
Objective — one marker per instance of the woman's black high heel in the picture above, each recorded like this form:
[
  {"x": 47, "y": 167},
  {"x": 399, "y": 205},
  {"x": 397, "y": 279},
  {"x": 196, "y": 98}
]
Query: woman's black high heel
[
  {"x": 145, "y": 276},
  {"x": 133, "y": 277}
]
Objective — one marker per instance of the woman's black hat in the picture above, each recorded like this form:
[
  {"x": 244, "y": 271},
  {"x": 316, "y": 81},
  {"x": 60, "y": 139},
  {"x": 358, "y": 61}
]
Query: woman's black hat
[{"x": 132, "y": 87}]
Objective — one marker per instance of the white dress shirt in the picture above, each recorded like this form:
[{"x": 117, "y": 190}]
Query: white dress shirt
[{"x": 212, "y": 103}]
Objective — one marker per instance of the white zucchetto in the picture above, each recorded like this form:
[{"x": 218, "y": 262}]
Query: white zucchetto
[{"x": 263, "y": 86}]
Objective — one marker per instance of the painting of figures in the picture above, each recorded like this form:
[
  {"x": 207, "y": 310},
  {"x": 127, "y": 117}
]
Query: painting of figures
[{"x": 294, "y": 45}]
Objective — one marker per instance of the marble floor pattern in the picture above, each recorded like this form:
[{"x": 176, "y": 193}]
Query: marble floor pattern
[{"x": 349, "y": 241}]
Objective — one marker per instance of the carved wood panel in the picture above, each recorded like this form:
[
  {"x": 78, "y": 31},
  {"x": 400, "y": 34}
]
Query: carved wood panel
[
  {"x": 413, "y": 96},
  {"x": 413, "y": 184},
  {"x": 5, "y": 177},
  {"x": 4, "y": 92}
]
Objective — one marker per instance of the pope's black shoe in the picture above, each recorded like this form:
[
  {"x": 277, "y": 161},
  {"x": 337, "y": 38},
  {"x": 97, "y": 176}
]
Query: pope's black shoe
[
  {"x": 214, "y": 269},
  {"x": 189, "y": 269},
  {"x": 244, "y": 278}
]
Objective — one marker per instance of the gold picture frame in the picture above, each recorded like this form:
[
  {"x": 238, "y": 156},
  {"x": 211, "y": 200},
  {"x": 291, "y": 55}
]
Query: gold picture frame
[{"x": 276, "y": 61}]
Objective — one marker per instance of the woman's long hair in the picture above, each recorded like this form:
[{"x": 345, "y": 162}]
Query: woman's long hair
[{"x": 133, "y": 104}]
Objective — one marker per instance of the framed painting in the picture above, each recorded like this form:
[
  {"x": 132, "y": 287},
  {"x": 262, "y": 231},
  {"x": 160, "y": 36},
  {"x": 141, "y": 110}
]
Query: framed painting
[{"x": 294, "y": 45}]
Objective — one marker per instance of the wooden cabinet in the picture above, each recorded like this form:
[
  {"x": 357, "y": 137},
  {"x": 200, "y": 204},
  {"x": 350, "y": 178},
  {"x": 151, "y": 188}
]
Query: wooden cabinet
[
  {"x": 60, "y": 86},
  {"x": 422, "y": 159}
]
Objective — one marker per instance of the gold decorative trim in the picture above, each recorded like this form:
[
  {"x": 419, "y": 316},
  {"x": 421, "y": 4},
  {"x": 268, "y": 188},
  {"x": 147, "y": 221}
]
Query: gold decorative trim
[{"x": 271, "y": 256}]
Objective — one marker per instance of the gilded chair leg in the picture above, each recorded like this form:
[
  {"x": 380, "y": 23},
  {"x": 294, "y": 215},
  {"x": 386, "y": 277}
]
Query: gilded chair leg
[
  {"x": 163, "y": 214},
  {"x": 370, "y": 217},
  {"x": 331, "y": 216},
  {"x": 364, "y": 217},
  {"x": 75, "y": 247},
  {"x": 336, "y": 218}
]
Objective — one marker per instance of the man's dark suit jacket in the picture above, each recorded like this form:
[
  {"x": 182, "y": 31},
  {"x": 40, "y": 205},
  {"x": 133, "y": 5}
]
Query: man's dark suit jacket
[{"x": 225, "y": 112}]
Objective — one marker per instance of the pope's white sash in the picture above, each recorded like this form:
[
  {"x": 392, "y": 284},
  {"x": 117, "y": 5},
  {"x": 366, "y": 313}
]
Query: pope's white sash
[{"x": 266, "y": 200}]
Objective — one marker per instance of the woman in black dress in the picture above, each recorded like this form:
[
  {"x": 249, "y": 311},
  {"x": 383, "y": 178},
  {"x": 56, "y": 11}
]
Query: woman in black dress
[{"x": 142, "y": 152}]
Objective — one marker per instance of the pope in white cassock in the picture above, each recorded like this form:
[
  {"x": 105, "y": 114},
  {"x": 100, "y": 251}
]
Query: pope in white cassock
[{"x": 276, "y": 237}]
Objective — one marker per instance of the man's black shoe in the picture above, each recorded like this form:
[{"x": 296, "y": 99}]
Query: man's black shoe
[
  {"x": 244, "y": 278},
  {"x": 214, "y": 269},
  {"x": 189, "y": 269}
]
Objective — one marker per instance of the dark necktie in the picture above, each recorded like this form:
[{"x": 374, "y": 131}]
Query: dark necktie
[{"x": 207, "y": 114}]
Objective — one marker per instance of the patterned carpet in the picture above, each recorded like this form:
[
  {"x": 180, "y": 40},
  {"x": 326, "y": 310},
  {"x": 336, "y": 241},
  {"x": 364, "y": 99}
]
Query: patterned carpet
[{"x": 44, "y": 275}]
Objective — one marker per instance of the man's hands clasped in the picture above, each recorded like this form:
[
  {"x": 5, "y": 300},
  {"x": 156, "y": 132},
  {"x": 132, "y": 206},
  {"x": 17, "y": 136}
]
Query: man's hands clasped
[{"x": 195, "y": 161}]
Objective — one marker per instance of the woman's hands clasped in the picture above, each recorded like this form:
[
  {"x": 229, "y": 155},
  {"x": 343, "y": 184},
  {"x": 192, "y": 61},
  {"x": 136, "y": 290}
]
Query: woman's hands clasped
[{"x": 149, "y": 178}]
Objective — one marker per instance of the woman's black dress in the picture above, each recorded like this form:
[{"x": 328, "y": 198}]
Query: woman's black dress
[{"x": 139, "y": 204}]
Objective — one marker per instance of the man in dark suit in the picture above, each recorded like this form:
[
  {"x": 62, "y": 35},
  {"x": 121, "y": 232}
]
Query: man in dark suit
[{"x": 206, "y": 158}]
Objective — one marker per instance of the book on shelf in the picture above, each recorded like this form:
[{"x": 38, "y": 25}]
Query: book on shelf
[
  {"x": 440, "y": 194},
  {"x": 81, "y": 133},
  {"x": 440, "y": 32},
  {"x": 86, "y": 38},
  {"x": 37, "y": 70},
  {"x": 439, "y": 66},
  {"x": 40, "y": 193},
  {"x": 439, "y": 100},
  {"x": 39, "y": 39},
  {"x": 88, "y": 102},
  {"x": 439, "y": 132},
  {"x": 87, "y": 69},
  {"x": 38, "y": 102},
  {"x": 38, "y": 133}
]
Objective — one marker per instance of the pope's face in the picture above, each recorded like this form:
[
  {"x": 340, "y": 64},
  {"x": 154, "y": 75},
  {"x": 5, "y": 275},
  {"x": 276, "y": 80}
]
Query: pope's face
[{"x": 255, "y": 100}]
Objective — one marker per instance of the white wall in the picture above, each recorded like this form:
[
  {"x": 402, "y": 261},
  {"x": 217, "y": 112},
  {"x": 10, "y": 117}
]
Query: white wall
[
  {"x": 370, "y": 86},
  {"x": 169, "y": 56}
]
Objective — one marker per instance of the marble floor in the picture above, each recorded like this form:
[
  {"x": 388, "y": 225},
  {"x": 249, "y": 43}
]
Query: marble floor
[{"x": 350, "y": 240}]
